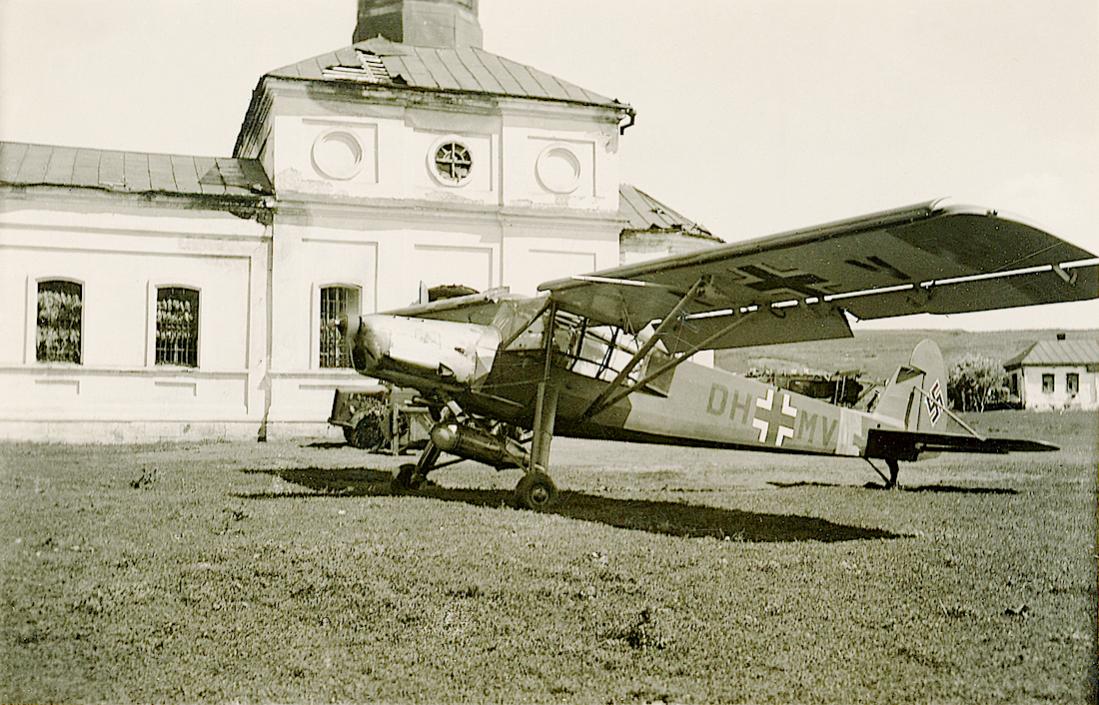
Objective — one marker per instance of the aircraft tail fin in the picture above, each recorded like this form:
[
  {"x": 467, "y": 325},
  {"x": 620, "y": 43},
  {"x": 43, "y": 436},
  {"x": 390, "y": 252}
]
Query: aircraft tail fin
[{"x": 916, "y": 394}]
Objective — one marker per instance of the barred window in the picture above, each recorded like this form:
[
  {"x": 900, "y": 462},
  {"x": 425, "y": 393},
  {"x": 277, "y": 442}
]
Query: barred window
[
  {"x": 177, "y": 326},
  {"x": 338, "y": 303},
  {"x": 60, "y": 320}
]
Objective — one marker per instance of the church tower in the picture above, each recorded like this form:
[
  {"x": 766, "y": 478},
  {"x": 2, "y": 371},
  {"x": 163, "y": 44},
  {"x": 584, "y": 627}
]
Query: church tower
[{"x": 430, "y": 23}]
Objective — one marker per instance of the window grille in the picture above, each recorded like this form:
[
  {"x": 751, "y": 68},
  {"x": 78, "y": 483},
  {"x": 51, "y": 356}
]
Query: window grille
[
  {"x": 336, "y": 305},
  {"x": 60, "y": 319},
  {"x": 177, "y": 326},
  {"x": 1047, "y": 384},
  {"x": 453, "y": 162}
]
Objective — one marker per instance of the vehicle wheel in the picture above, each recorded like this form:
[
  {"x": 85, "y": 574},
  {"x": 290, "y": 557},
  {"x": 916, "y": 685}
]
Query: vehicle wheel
[
  {"x": 536, "y": 491},
  {"x": 404, "y": 480},
  {"x": 348, "y": 433},
  {"x": 366, "y": 435}
]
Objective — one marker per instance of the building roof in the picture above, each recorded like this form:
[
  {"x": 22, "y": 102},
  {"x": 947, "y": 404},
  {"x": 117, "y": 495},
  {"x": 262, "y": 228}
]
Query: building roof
[
  {"x": 379, "y": 61},
  {"x": 643, "y": 213},
  {"x": 1057, "y": 352},
  {"x": 23, "y": 164}
]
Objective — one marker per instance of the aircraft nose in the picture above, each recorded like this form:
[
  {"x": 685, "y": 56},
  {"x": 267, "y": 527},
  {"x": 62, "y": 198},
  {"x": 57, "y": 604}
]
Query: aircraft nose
[{"x": 371, "y": 343}]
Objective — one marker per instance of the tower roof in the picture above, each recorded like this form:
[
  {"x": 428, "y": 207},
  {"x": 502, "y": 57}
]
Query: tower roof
[{"x": 381, "y": 62}]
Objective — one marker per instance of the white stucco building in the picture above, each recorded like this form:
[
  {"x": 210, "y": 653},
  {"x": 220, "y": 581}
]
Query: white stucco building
[
  {"x": 148, "y": 296},
  {"x": 1056, "y": 374}
]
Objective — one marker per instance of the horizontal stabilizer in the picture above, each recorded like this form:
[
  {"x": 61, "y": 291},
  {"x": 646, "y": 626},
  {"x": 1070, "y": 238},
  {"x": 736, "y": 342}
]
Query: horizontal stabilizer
[{"x": 907, "y": 445}]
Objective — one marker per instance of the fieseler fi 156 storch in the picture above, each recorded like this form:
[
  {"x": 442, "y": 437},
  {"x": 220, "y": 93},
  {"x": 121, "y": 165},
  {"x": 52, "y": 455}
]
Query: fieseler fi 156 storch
[{"x": 605, "y": 355}]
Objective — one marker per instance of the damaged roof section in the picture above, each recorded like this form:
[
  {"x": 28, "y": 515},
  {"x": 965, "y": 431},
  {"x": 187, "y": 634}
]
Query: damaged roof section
[
  {"x": 465, "y": 69},
  {"x": 643, "y": 214},
  {"x": 23, "y": 164}
]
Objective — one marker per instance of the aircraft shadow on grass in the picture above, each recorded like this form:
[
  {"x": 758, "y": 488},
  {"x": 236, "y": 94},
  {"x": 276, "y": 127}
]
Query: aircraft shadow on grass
[
  {"x": 945, "y": 489},
  {"x": 669, "y": 518}
]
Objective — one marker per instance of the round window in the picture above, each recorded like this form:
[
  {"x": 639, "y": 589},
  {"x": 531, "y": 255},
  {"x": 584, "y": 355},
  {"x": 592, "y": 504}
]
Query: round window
[
  {"x": 558, "y": 170},
  {"x": 453, "y": 162},
  {"x": 337, "y": 154}
]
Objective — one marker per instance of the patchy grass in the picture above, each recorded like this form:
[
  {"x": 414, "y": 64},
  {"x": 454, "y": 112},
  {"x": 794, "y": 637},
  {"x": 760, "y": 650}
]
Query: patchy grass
[{"x": 288, "y": 572}]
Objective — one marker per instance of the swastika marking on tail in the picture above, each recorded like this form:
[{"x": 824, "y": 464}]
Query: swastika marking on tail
[{"x": 934, "y": 402}]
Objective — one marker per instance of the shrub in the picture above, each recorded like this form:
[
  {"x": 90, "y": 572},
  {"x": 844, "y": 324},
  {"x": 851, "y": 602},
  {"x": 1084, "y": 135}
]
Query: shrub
[{"x": 974, "y": 381}]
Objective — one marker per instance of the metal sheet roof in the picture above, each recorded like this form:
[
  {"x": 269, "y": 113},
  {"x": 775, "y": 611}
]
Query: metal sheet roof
[
  {"x": 643, "y": 213},
  {"x": 1058, "y": 352},
  {"x": 23, "y": 164},
  {"x": 465, "y": 69}
]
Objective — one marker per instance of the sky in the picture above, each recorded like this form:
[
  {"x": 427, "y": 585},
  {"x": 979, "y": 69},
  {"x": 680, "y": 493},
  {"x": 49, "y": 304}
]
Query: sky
[{"x": 754, "y": 116}]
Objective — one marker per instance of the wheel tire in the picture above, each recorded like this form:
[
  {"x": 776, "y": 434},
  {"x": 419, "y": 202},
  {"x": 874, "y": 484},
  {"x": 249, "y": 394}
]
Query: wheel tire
[
  {"x": 348, "y": 432},
  {"x": 536, "y": 491},
  {"x": 366, "y": 435},
  {"x": 404, "y": 480}
]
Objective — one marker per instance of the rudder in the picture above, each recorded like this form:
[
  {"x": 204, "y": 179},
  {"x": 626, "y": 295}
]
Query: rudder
[{"x": 916, "y": 394}]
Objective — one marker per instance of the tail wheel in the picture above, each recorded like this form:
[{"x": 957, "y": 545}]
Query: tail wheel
[
  {"x": 405, "y": 480},
  {"x": 536, "y": 491}
]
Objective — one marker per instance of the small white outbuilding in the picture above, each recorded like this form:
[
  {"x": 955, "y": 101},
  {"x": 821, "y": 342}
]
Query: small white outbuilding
[{"x": 1056, "y": 374}]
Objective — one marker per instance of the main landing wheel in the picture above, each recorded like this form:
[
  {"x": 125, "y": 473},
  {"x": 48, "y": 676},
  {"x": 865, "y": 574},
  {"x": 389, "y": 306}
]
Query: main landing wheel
[
  {"x": 406, "y": 479},
  {"x": 536, "y": 491}
]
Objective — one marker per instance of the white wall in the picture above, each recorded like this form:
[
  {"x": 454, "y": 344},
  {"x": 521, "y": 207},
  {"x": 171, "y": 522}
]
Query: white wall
[
  {"x": 1035, "y": 398},
  {"x": 360, "y": 204},
  {"x": 120, "y": 249}
]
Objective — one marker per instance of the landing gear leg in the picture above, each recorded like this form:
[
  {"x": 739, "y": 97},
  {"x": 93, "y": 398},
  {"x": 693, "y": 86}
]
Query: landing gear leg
[
  {"x": 894, "y": 470},
  {"x": 536, "y": 490},
  {"x": 411, "y": 476}
]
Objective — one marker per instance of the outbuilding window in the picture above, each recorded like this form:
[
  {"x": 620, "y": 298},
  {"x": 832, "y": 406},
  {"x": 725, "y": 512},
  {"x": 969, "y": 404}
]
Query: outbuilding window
[
  {"x": 1072, "y": 383},
  {"x": 1047, "y": 384},
  {"x": 60, "y": 321},
  {"x": 177, "y": 326},
  {"x": 338, "y": 304}
]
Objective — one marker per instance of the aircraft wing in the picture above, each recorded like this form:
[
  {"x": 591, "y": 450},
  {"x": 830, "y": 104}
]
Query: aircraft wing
[
  {"x": 928, "y": 258},
  {"x": 474, "y": 308}
]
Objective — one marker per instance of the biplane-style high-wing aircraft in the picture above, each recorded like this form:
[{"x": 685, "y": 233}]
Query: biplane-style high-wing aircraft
[{"x": 604, "y": 355}]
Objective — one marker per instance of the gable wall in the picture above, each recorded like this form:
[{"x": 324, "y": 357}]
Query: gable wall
[{"x": 358, "y": 203}]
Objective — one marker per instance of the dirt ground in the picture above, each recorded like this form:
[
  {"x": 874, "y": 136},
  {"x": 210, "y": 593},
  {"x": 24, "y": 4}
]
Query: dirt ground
[{"x": 288, "y": 572}]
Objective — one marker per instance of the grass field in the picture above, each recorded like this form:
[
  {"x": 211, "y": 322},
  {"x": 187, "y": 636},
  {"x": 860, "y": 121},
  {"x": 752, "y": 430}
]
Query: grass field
[{"x": 287, "y": 572}]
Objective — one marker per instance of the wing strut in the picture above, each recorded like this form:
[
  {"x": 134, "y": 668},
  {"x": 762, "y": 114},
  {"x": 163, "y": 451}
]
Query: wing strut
[
  {"x": 667, "y": 366},
  {"x": 950, "y": 413},
  {"x": 545, "y": 405},
  {"x": 672, "y": 318}
]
